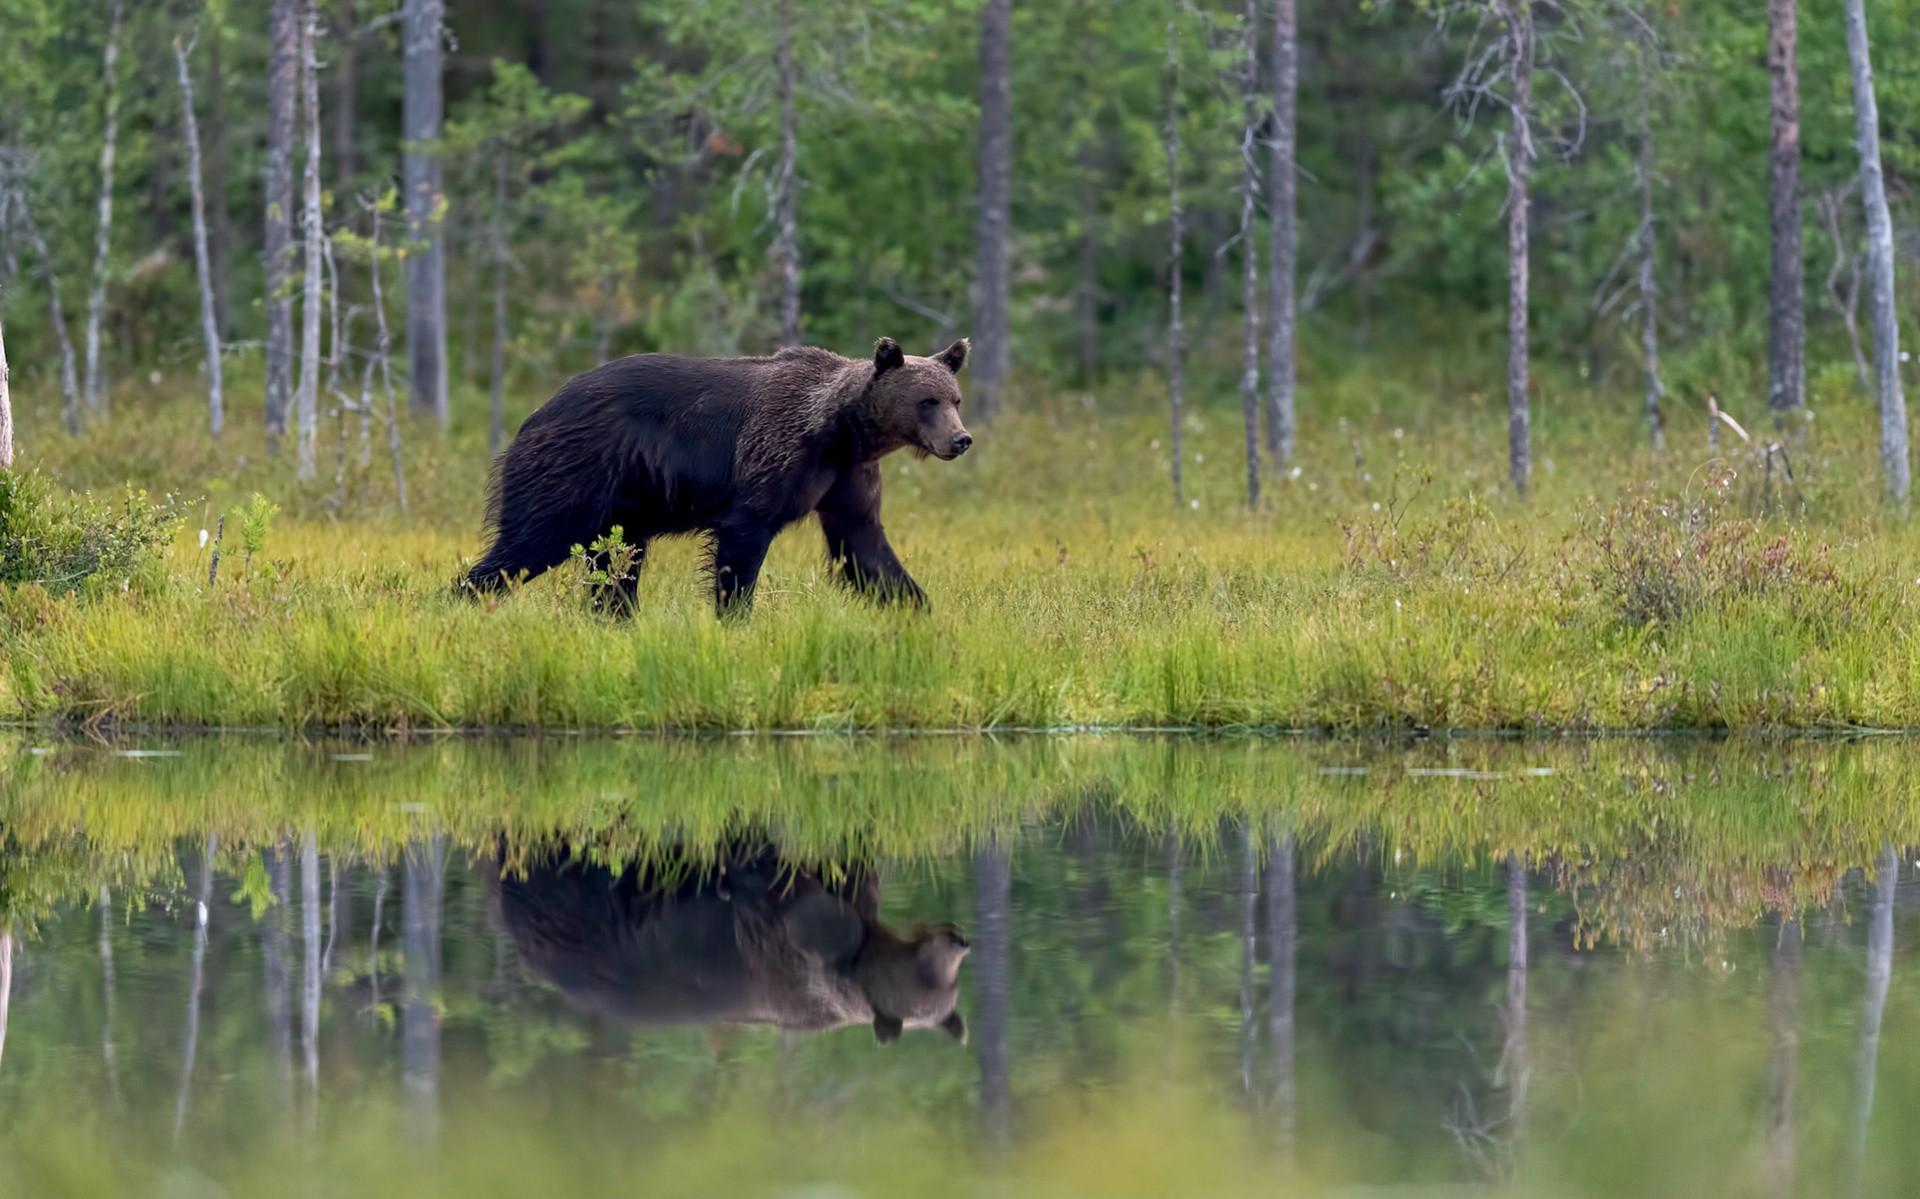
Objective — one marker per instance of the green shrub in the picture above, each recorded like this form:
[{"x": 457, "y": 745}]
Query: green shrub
[{"x": 63, "y": 544}]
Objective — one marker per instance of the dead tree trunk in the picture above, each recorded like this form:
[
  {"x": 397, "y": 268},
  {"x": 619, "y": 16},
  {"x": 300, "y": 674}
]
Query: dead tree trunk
[
  {"x": 6, "y": 409},
  {"x": 1250, "y": 251},
  {"x": 56, "y": 315},
  {"x": 1649, "y": 298},
  {"x": 1847, "y": 262},
  {"x": 383, "y": 350},
  {"x": 496, "y": 382},
  {"x": 427, "y": 258},
  {"x": 220, "y": 234},
  {"x": 1786, "y": 307},
  {"x": 283, "y": 86},
  {"x": 345, "y": 89},
  {"x": 1880, "y": 299},
  {"x": 203, "y": 268},
  {"x": 312, "y": 235},
  {"x": 786, "y": 243},
  {"x": 103, "y": 232},
  {"x": 1088, "y": 297},
  {"x": 1519, "y": 167},
  {"x": 1282, "y": 249},
  {"x": 1176, "y": 334},
  {"x": 992, "y": 235}
]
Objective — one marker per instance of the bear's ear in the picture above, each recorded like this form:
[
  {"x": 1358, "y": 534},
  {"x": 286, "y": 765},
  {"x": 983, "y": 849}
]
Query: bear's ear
[
  {"x": 887, "y": 355},
  {"x": 886, "y": 1029},
  {"x": 955, "y": 1026},
  {"x": 954, "y": 356}
]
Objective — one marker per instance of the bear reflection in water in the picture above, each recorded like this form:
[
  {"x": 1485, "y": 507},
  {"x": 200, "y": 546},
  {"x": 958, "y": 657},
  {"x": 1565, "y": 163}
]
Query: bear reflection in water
[{"x": 753, "y": 940}]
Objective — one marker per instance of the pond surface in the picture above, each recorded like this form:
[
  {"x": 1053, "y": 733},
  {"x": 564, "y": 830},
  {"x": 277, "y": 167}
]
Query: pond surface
[{"x": 952, "y": 966}]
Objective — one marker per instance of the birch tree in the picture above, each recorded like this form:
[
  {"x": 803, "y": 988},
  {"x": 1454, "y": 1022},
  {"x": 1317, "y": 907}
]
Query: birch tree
[
  {"x": 1519, "y": 14},
  {"x": 1176, "y": 334},
  {"x": 1249, "y": 248},
  {"x": 22, "y": 213},
  {"x": 1649, "y": 295},
  {"x": 786, "y": 244},
  {"x": 427, "y": 258},
  {"x": 209, "y": 308},
  {"x": 992, "y": 273},
  {"x": 283, "y": 85},
  {"x": 103, "y": 234},
  {"x": 312, "y": 237},
  {"x": 1880, "y": 298},
  {"x": 6, "y": 408},
  {"x": 1282, "y": 248},
  {"x": 1786, "y": 306}
]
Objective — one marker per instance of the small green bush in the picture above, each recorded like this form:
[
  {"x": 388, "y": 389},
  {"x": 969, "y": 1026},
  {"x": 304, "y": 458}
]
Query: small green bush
[{"x": 63, "y": 544}]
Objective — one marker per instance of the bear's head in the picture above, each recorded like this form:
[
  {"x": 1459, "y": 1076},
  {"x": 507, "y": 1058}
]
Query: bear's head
[
  {"x": 916, "y": 401},
  {"x": 912, "y": 981}
]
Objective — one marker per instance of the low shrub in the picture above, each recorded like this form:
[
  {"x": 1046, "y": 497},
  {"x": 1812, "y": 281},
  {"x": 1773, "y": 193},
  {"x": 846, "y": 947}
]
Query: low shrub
[{"x": 66, "y": 544}]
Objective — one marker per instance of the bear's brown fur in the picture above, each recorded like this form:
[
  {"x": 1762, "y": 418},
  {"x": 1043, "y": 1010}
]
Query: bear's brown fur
[{"x": 735, "y": 448}]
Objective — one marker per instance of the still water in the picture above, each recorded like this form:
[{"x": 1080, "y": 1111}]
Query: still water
[{"x": 955, "y": 966}]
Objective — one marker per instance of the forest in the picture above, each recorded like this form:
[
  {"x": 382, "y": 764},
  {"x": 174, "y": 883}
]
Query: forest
[{"x": 1376, "y": 300}]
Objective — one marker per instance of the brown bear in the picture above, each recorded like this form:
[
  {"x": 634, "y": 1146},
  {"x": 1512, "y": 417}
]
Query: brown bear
[
  {"x": 737, "y": 448},
  {"x": 756, "y": 941}
]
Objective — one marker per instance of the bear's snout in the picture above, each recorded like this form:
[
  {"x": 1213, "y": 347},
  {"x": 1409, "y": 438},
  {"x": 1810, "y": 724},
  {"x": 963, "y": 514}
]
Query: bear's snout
[{"x": 962, "y": 442}]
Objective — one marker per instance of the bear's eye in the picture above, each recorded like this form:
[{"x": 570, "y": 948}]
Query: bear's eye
[{"x": 929, "y": 402}]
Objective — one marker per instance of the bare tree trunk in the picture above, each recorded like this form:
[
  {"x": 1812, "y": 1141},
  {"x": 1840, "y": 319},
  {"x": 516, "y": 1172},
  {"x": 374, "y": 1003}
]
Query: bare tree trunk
[
  {"x": 193, "y": 988},
  {"x": 1649, "y": 296},
  {"x": 1250, "y": 253},
  {"x": 1176, "y": 333},
  {"x": 383, "y": 351},
  {"x": 1519, "y": 168},
  {"x": 1283, "y": 248},
  {"x": 993, "y": 956},
  {"x": 1249, "y": 948},
  {"x": 312, "y": 235},
  {"x": 6, "y": 406},
  {"x": 1282, "y": 942},
  {"x": 422, "y": 890},
  {"x": 220, "y": 236},
  {"x": 283, "y": 87},
  {"x": 56, "y": 315},
  {"x": 427, "y": 259},
  {"x": 6, "y": 982},
  {"x": 203, "y": 266},
  {"x": 1848, "y": 306},
  {"x": 496, "y": 382},
  {"x": 1783, "y": 1004},
  {"x": 991, "y": 351},
  {"x": 1894, "y": 463},
  {"x": 1786, "y": 306},
  {"x": 310, "y": 976},
  {"x": 273, "y": 970},
  {"x": 1879, "y": 975},
  {"x": 345, "y": 94},
  {"x": 1513, "y": 1058},
  {"x": 1088, "y": 299},
  {"x": 109, "y": 988},
  {"x": 103, "y": 235},
  {"x": 786, "y": 244}
]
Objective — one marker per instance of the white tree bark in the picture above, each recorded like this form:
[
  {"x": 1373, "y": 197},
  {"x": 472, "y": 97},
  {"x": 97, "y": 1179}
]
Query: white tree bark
[
  {"x": 1894, "y": 463},
  {"x": 209, "y": 307},
  {"x": 1649, "y": 296},
  {"x": 786, "y": 245},
  {"x": 1519, "y": 166},
  {"x": 1283, "y": 248},
  {"x": 1866, "y": 1063},
  {"x": 1250, "y": 250},
  {"x": 6, "y": 412},
  {"x": 103, "y": 236},
  {"x": 427, "y": 260},
  {"x": 383, "y": 352},
  {"x": 1176, "y": 332},
  {"x": 56, "y": 315},
  {"x": 283, "y": 88},
  {"x": 312, "y": 236}
]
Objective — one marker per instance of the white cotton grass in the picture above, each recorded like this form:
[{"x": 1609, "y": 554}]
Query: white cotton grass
[{"x": 203, "y": 539}]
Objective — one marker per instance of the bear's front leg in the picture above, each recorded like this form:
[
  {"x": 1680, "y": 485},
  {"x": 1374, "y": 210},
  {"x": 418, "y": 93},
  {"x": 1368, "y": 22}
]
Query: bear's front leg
[
  {"x": 738, "y": 553},
  {"x": 850, "y": 519}
]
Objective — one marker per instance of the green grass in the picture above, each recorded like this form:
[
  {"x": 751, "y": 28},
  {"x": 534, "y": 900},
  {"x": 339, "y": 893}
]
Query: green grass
[{"x": 1068, "y": 589}]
